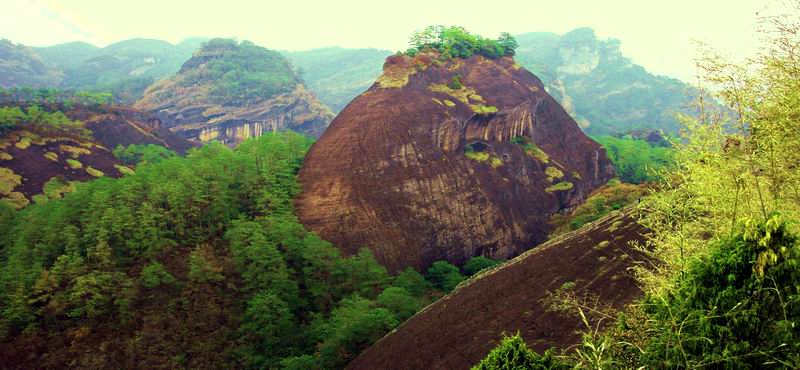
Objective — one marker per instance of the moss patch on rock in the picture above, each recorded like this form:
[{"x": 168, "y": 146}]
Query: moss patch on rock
[
  {"x": 561, "y": 186},
  {"x": 94, "y": 172}
]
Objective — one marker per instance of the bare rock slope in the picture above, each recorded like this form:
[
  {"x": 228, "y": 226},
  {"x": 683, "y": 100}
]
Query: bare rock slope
[{"x": 447, "y": 160}]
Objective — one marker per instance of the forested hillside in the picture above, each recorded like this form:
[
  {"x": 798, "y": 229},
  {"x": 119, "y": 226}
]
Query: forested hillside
[{"x": 128, "y": 272}]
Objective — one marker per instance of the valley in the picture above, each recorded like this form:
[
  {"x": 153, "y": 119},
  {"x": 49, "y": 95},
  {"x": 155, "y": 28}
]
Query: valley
[{"x": 528, "y": 201}]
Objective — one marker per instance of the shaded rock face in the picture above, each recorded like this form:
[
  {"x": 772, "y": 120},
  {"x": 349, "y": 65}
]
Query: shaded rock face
[
  {"x": 458, "y": 330},
  {"x": 186, "y": 105},
  {"x": 420, "y": 169}
]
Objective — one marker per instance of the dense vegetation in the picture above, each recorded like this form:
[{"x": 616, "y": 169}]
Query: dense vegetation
[
  {"x": 457, "y": 42},
  {"x": 135, "y": 154},
  {"x": 206, "y": 243},
  {"x": 245, "y": 71},
  {"x": 54, "y": 122},
  {"x": 636, "y": 161},
  {"x": 721, "y": 271}
]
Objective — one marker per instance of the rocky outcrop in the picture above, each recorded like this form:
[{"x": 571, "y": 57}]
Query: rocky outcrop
[
  {"x": 458, "y": 330},
  {"x": 191, "y": 102},
  {"x": 447, "y": 160}
]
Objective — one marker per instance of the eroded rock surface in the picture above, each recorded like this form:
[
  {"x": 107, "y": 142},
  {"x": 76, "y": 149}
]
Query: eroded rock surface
[{"x": 447, "y": 160}]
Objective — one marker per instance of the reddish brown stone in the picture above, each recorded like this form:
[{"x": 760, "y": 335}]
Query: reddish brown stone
[{"x": 390, "y": 172}]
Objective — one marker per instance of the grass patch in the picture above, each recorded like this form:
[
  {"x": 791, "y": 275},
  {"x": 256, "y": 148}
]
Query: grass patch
[
  {"x": 94, "y": 172},
  {"x": 496, "y": 162},
  {"x": 553, "y": 173},
  {"x": 395, "y": 76},
  {"x": 483, "y": 109},
  {"x": 16, "y": 200},
  {"x": 74, "y": 151},
  {"x": 477, "y": 156},
  {"x": 74, "y": 164},
  {"x": 449, "y": 103},
  {"x": 5, "y": 156},
  {"x": 56, "y": 187},
  {"x": 23, "y": 143},
  {"x": 125, "y": 170},
  {"x": 561, "y": 186},
  {"x": 51, "y": 156},
  {"x": 8, "y": 180},
  {"x": 602, "y": 244},
  {"x": 534, "y": 151}
]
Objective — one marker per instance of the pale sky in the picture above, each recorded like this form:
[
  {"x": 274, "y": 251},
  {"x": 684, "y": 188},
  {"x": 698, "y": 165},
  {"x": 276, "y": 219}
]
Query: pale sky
[{"x": 657, "y": 34}]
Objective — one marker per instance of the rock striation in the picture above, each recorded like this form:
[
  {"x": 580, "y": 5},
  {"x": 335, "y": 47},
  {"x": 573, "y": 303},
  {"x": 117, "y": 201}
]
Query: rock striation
[{"x": 445, "y": 160}]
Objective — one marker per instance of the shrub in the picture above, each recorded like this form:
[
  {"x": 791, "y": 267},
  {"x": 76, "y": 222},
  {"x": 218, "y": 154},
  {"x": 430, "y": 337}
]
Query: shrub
[
  {"x": 744, "y": 295},
  {"x": 154, "y": 274},
  {"x": 444, "y": 276},
  {"x": 399, "y": 301},
  {"x": 74, "y": 164},
  {"x": 476, "y": 264},
  {"x": 553, "y": 173},
  {"x": 455, "y": 83},
  {"x": 94, "y": 172},
  {"x": 513, "y": 354}
]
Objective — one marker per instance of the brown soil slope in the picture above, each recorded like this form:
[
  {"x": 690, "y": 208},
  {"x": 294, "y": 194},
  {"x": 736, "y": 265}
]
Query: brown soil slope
[
  {"x": 421, "y": 169},
  {"x": 460, "y": 329},
  {"x": 32, "y": 155}
]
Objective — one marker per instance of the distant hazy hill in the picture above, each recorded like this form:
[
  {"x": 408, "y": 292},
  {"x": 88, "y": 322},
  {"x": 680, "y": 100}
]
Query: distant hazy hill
[
  {"x": 337, "y": 75},
  {"x": 125, "y": 68},
  {"x": 602, "y": 89},
  {"x": 20, "y": 65}
]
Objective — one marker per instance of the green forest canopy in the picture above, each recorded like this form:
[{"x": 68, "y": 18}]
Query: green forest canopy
[{"x": 204, "y": 242}]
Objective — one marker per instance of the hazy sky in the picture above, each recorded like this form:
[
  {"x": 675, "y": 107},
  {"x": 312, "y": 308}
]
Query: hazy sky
[{"x": 655, "y": 33}]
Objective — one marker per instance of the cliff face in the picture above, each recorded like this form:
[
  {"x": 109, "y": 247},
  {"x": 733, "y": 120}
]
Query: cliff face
[
  {"x": 447, "y": 160},
  {"x": 231, "y": 92}
]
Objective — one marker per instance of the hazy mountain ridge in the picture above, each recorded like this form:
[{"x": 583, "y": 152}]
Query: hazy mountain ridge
[{"x": 601, "y": 88}]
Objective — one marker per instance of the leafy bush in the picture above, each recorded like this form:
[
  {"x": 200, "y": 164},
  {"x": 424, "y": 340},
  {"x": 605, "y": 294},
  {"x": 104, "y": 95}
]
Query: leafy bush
[
  {"x": 744, "y": 295},
  {"x": 444, "y": 276},
  {"x": 513, "y": 354},
  {"x": 154, "y": 275},
  {"x": 636, "y": 161},
  {"x": 138, "y": 153},
  {"x": 476, "y": 264}
]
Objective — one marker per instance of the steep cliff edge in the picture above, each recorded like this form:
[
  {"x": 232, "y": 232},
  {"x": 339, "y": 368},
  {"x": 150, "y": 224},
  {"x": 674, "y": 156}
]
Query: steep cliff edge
[
  {"x": 447, "y": 160},
  {"x": 231, "y": 91}
]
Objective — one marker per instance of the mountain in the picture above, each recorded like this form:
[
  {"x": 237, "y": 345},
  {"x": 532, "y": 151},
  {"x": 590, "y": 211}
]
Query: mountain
[
  {"x": 124, "y": 68},
  {"x": 21, "y": 66},
  {"x": 337, "y": 75},
  {"x": 50, "y": 147},
  {"x": 447, "y": 159},
  {"x": 231, "y": 91},
  {"x": 458, "y": 330},
  {"x": 601, "y": 88}
]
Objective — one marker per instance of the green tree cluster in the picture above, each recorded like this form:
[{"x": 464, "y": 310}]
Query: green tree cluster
[
  {"x": 244, "y": 71},
  {"x": 457, "y": 42},
  {"x": 135, "y": 154},
  {"x": 636, "y": 161},
  {"x": 41, "y": 119},
  {"x": 203, "y": 242}
]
